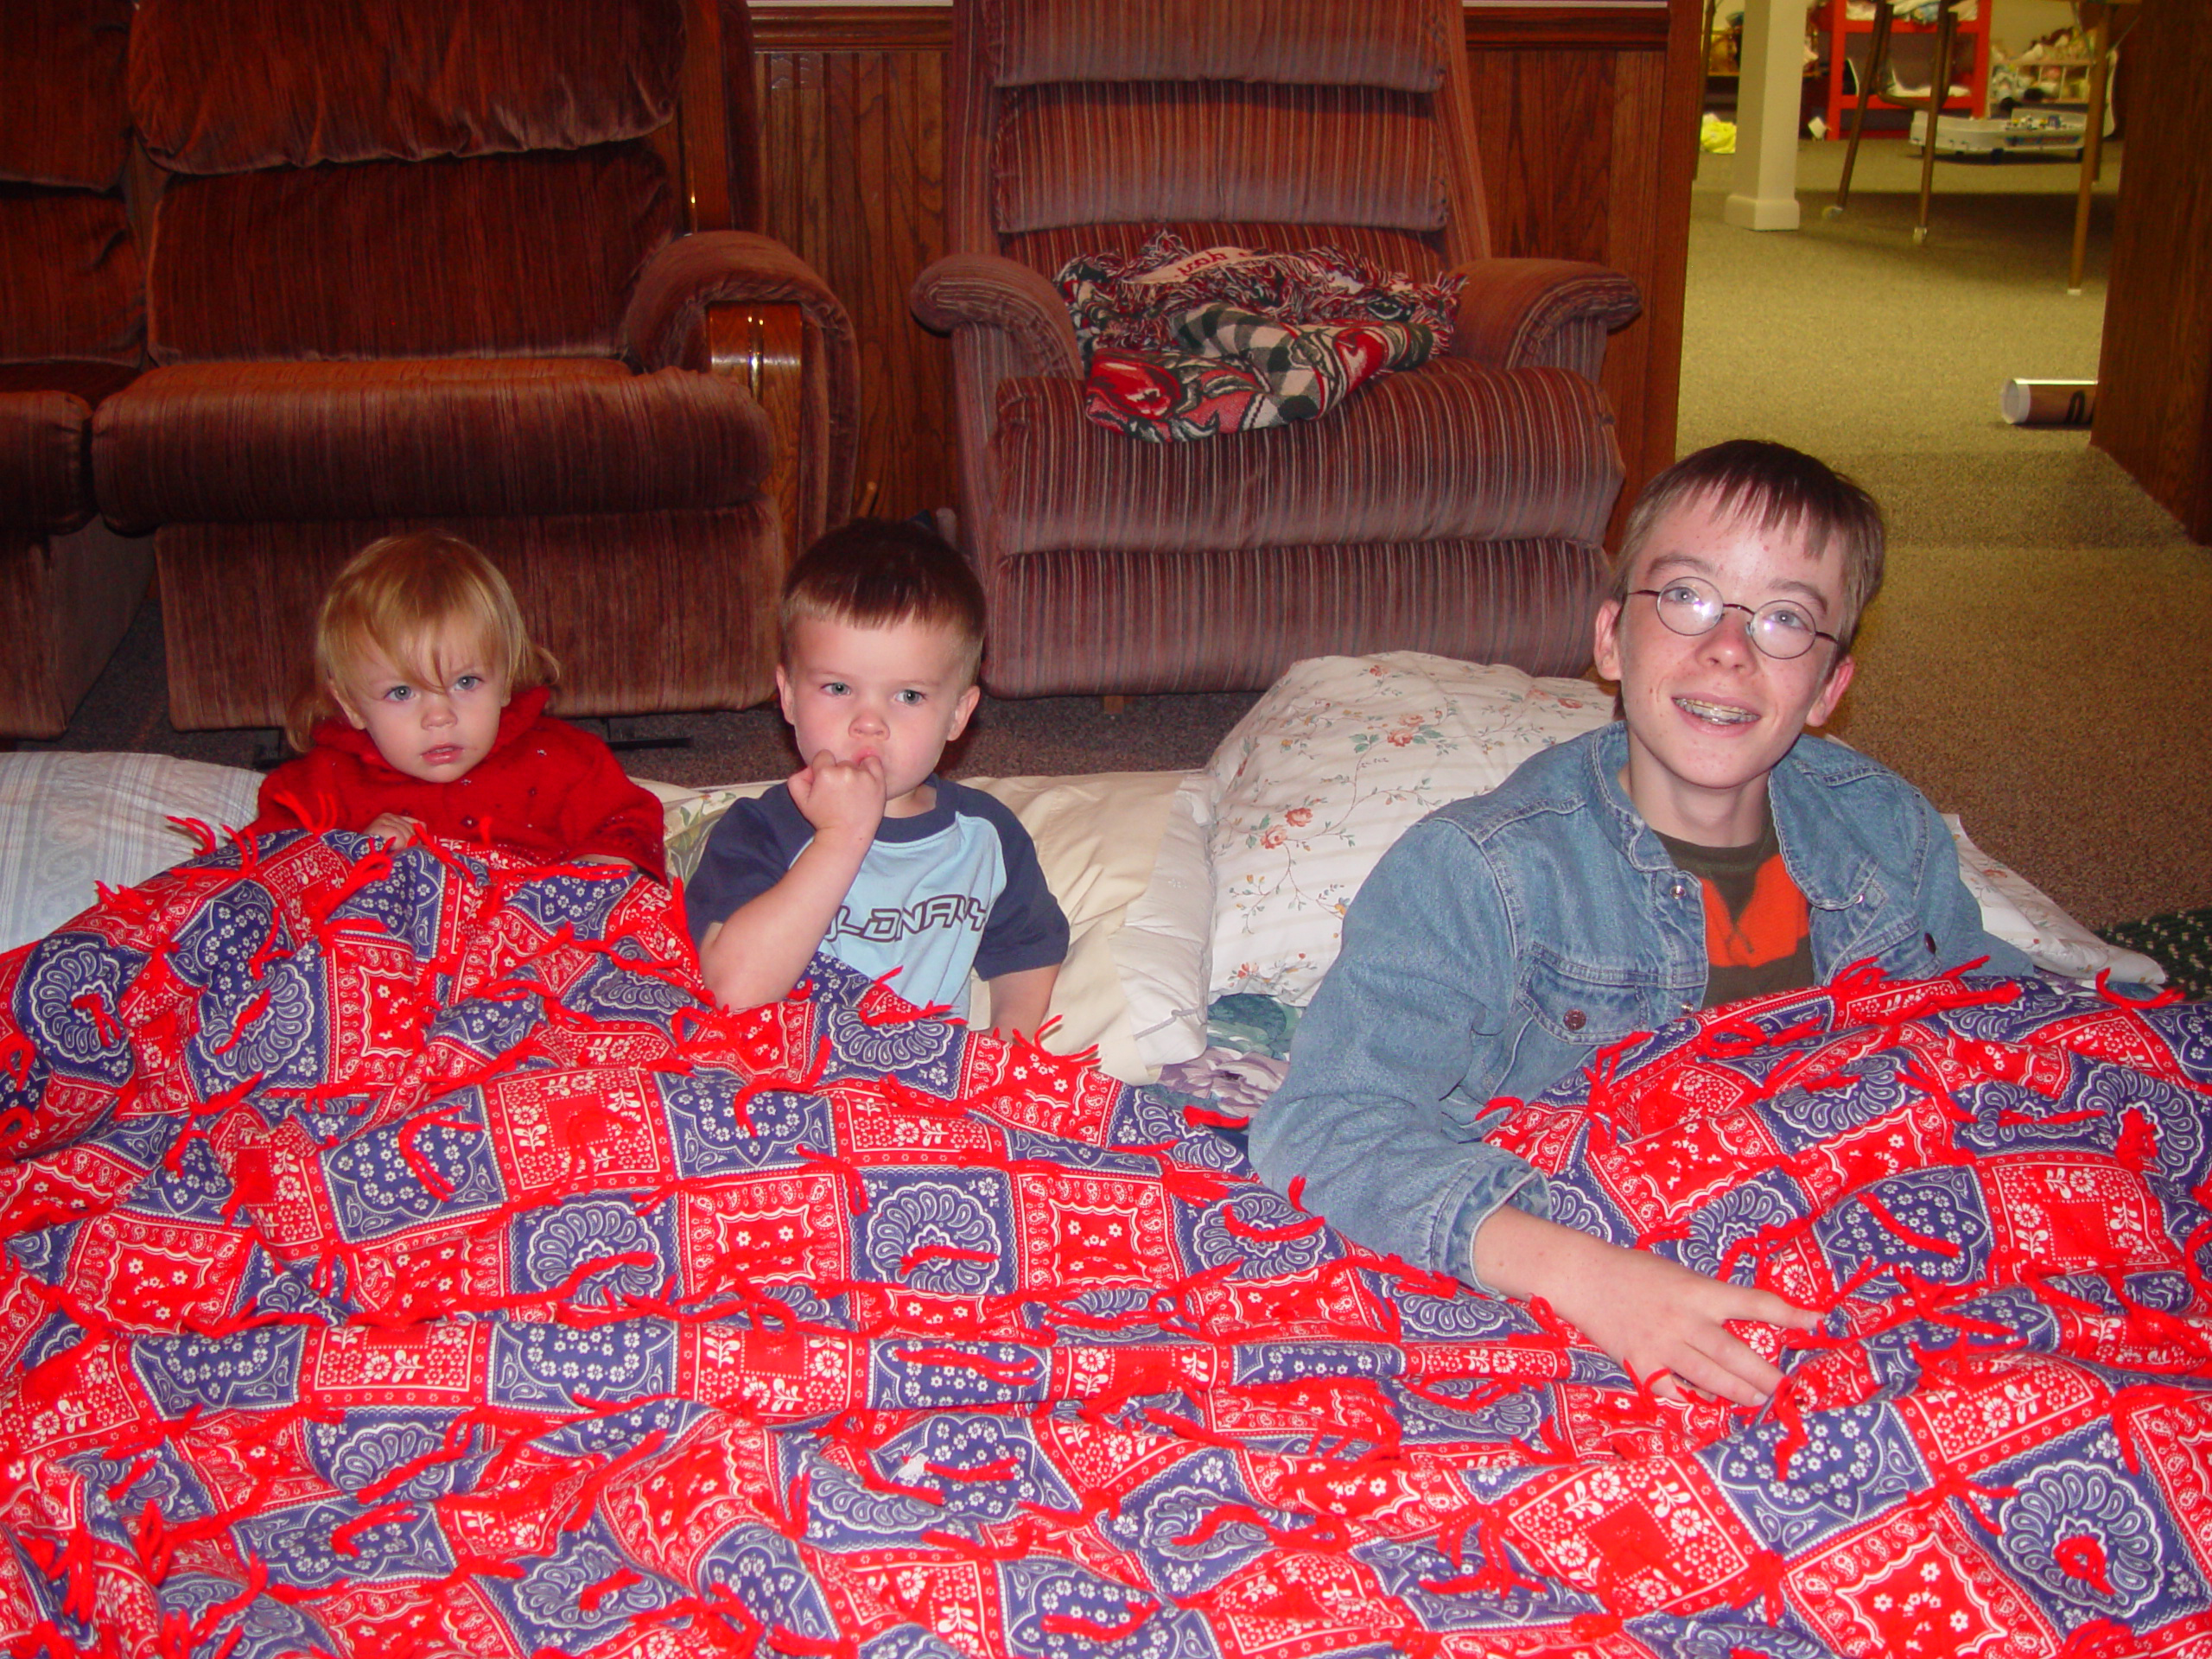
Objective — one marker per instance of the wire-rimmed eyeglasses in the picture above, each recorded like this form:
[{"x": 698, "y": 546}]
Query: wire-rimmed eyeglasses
[{"x": 1782, "y": 630}]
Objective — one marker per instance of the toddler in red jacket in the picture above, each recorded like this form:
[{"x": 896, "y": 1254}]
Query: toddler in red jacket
[{"x": 427, "y": 717}]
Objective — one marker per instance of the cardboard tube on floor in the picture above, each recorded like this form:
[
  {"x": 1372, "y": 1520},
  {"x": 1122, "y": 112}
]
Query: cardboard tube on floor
[{"x": 2048, "y": 403}]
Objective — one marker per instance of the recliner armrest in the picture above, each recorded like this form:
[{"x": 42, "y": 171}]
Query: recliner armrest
[
  {"x": 664, "y": 325},
  {"x": 681, "y": 311},
  {"x": 984, "y": 291},
  {"x": 1540, "y": 313}
]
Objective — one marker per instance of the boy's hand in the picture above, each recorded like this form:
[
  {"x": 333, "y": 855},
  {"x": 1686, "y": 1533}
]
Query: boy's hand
[
  {"x": 843, "y": 800},
  {"x": 1657, "y": 1317},
  {"x": 393, "y": 829}
]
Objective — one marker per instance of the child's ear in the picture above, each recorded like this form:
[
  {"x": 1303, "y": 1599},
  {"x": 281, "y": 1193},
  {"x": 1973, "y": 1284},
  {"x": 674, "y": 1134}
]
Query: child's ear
[
  {"x": 961, "y": 709},
  {"x": 784, "y": 695},
  {"x": 1831, "y": 693}
]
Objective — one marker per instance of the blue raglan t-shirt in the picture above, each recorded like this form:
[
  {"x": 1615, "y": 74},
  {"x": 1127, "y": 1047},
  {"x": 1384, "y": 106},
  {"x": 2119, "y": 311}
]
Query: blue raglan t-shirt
[{"x": 956, "y": 887}]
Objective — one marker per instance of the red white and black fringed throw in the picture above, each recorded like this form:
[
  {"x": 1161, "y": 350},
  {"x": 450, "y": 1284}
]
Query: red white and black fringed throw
[
  {"x": 403, "y": 1259},
  {"x": 1183, "y": 345}
]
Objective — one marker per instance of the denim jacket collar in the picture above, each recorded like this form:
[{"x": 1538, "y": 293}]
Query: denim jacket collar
[{"x": 1827, "y": 882}]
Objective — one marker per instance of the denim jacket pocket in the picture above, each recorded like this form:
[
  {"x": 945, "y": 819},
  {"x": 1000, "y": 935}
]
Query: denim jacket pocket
[
  {"x": 1869, "y": 925},
  {"x": 1582, "y": 1005}
]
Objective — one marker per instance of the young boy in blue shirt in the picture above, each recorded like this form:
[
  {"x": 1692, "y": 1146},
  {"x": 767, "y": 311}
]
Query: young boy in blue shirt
[
  {"x": 1702, "y": 848},
  {"x": 865, "y": 853}
]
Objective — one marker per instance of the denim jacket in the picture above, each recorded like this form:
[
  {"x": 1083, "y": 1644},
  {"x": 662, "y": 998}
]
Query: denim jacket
[{"x": 1507, "y": 937}]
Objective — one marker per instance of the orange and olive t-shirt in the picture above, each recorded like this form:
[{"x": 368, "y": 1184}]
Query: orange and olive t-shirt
[{"x": 1758, "y": 935}]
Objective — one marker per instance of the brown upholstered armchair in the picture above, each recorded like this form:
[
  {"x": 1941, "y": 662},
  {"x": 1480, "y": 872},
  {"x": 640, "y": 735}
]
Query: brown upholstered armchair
[
  {"x": 421, "y": 262},
  {"x": 1457, "y": 508},
  {"x": 72, "y": 328}
]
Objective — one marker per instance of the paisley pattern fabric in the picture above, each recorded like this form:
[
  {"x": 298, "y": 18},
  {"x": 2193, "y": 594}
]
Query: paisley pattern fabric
[
  {"x": 1182, "y": 345},
  {"x": 402, "y": 1259}
]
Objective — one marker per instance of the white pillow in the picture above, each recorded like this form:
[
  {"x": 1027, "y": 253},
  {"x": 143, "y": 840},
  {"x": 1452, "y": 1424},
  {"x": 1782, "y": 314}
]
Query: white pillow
[
  {"x": 1344, "y": 754},
  {"x": 68, "y": 822},
  {"x": 1337, "y": 760},
  {"x": 1099, "y": 840}
]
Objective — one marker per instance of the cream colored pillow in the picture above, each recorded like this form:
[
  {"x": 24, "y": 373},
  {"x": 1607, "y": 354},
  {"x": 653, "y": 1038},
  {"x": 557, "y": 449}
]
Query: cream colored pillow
[{"x": 1099, "y": 841}]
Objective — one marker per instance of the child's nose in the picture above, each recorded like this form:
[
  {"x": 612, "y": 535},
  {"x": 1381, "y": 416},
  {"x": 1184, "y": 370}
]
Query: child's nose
[{"x": 437, "y": 710}]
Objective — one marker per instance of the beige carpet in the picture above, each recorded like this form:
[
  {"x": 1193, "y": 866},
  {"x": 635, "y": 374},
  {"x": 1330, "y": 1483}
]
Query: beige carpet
[{"x": 2040, "y": 659}]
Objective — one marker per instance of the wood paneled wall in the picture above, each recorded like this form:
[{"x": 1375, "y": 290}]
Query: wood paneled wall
[
  {"x": 2154, "y": 396},
  {"x": 1588, "y": 119}
]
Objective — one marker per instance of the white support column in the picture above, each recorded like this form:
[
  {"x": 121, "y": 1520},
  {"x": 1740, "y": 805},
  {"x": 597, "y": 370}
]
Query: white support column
[{"x": 1765, "y": 197}]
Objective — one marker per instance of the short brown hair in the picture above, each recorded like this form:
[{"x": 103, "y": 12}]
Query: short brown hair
[
  {"x": 1783, "y": 489},
  {"x": 875, "y": 573},
  {"x": 394, "y": 592}
]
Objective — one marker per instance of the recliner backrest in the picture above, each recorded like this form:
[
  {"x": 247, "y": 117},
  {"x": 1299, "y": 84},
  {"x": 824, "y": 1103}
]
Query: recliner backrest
[
  {"x": 71, "y": 283},
  {"x": 403, "y": 178},
  {"x": 1306, "y": 114}
]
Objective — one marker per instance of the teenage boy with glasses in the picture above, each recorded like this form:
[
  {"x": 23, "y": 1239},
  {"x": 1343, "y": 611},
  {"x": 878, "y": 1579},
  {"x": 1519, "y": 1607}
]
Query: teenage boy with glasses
[{"x": 1701, "y": 848}]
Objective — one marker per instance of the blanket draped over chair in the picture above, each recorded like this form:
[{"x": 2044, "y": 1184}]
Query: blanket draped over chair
[
  {"x": 404, "y": 1258},
  {"x": 1180, "y": 344}
]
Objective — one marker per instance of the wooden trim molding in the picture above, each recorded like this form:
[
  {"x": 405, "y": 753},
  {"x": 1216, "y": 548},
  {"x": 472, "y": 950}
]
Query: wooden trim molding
[
  {"x": 929, "y": 29},
  {"x": 1619, "y": 29},
  {"x": 852, "y": 28}
]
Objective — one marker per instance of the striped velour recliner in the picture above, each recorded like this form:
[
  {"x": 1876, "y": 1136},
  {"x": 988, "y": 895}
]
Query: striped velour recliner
[
  {"x": 1456, "y": 508},
  {"x": 72, "y": 317},
  {"x": 424, "y": 262}
]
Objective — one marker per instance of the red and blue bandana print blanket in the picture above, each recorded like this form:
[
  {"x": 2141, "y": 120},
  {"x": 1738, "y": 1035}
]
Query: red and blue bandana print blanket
[
  {"x": 402, "y": 1261},
  {"x": 1181, "y": 345}
]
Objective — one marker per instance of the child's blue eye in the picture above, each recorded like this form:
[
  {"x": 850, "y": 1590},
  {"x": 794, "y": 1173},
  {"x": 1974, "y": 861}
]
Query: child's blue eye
[
  {"x": 912, "y": 696},
  {"x": 399, "y": 694},
  {"x": 836, "y": 688},
  {"x": 468, "y": 682}
]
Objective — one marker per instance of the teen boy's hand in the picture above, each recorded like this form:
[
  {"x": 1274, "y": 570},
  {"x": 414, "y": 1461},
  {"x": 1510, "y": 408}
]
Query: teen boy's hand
[{"x": 1651, "y": 1314}]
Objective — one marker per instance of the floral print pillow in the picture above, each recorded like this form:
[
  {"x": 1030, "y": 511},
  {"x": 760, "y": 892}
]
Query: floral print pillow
[{"x": 1330, "y": 766}]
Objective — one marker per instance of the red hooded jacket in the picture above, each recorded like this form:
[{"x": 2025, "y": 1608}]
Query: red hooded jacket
[{"x": 546, "y": 789}]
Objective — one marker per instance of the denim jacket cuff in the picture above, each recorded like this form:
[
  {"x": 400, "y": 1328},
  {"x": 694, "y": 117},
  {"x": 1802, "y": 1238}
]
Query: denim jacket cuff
[{"x": 1530, "y": 1192}]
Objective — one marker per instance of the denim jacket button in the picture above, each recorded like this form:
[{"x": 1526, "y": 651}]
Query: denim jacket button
[{"x": 1576, "y": 1019}]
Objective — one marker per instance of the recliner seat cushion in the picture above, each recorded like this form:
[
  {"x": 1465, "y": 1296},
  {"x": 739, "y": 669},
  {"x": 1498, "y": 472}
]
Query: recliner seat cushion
[
  {"x": 217, "y": 442},
  {"x": 528, "y": 256},
  {"x": 1469, "y": 453},
  {"x": 657, "y": 610},
  {"x": 1065, "y": 622},
  {"x": 228, "y": 86}
]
